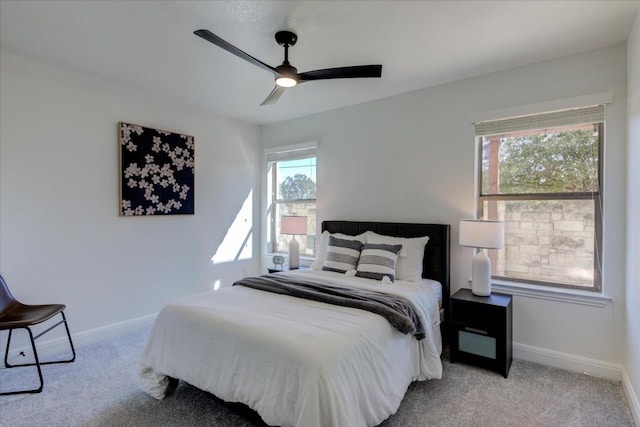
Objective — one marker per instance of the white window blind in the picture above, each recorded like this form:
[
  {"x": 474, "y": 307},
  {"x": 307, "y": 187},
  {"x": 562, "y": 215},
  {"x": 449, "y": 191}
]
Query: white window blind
[
  {"x": 291, "y": 153},
  {"x": 592, "y": 114}
]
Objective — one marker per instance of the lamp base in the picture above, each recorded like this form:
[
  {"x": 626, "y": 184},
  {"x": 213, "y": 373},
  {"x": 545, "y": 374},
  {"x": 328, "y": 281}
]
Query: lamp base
[
  {"x": 294, "y": 253},
  {"x": 481, "y": 275}
]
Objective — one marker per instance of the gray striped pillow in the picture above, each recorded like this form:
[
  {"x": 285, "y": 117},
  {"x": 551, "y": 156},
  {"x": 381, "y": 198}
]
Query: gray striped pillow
[
  {"x": 342, "y": 255},
  {"x": 377, "y": 261}
]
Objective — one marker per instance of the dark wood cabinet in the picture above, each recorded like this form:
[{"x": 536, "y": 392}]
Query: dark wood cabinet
[{"x": 481, "y": 330}]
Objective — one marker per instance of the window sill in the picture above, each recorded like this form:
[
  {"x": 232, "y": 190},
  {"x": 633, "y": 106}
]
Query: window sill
[{"x": 553, "y": 294}]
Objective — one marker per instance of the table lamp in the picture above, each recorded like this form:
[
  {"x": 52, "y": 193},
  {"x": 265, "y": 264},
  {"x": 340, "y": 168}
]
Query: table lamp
[
  {"x": 481, "y": 234},
  {"x": 293, "y": 225}
]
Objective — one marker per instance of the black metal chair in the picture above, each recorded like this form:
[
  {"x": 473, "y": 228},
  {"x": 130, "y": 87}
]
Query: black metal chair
[{"x": 15, "y": 315}]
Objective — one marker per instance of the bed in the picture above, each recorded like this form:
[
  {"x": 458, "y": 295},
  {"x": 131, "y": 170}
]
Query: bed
[{"x": 301, "y": 362}]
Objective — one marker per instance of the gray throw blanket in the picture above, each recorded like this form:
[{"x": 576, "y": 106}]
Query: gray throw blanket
[{"x": 398, "y": 310}]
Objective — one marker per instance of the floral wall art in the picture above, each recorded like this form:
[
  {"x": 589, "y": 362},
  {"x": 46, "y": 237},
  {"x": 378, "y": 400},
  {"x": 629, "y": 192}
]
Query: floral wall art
[{"x": 156, "y": 171}]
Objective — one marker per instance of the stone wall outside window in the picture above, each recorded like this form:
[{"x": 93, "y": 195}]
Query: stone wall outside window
[{"x": 549, "y": 241}]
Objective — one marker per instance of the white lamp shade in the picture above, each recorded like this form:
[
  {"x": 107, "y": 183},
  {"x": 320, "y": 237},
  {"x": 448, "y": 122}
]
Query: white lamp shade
[
  {"x": 478, "y": 233},
  {"x": 293, "y": 224}
]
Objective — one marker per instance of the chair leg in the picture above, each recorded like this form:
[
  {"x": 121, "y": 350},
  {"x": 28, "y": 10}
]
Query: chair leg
[
  {"x": 37, "y": 364},
  {"x": 6, "y": 351},
  {"x": 73, "y": 350},
  {"x": 35, "y": 354}
]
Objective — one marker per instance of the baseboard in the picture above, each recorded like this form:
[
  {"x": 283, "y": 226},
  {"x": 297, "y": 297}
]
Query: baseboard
[
  {"x": 51, "y": 347},
  {"x": 569, "y": 362},
  {"x": 632, "y": 397},
  {"x": 114, "y": 330}
]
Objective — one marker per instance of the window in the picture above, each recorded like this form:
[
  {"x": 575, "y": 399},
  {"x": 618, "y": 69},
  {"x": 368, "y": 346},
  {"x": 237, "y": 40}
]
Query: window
[
  {"x": 291, "y": 186},
  {"x": 542, "y": 176}
]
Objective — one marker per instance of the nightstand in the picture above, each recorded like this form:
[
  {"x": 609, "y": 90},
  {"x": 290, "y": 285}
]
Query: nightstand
[
  {"x": 286, "y": 268},
  {"x": 482, "y": 330}
]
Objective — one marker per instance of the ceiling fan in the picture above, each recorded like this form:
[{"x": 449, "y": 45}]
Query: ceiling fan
[{"x": 286, "y": 75}]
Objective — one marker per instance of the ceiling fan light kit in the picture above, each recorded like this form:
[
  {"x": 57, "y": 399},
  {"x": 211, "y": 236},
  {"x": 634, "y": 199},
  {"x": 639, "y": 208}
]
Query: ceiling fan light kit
[
  {"x": 284, "y": 81},
  {"x": 286, "y": 75}
]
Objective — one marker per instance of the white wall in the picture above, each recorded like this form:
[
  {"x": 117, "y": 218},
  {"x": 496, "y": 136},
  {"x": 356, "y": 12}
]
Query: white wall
[
  {"x": 411, "y": 158},
  {"x": 631, "y": 327},
  {"x": 61, "y": 239}
]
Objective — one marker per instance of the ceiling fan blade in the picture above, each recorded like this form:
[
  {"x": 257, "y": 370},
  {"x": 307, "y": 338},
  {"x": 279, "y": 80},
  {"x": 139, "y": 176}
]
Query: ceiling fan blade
[
  {"x": 273, "y": 97},
  {"x": 210, "y": 37},
  {"x": 356, "y": 71}
]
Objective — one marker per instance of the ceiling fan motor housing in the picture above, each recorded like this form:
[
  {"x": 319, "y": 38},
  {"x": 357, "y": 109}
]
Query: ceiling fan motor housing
[{"x": 286, "y": 38}]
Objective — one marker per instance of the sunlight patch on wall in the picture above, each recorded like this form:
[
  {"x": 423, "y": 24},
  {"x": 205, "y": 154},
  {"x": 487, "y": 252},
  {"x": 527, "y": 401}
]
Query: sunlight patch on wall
[{"x": 237, "y": 243}]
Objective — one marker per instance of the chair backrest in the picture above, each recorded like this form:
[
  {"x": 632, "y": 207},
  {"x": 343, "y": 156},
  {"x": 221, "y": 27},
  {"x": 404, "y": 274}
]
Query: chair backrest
[{"x": 5, "y": 296}]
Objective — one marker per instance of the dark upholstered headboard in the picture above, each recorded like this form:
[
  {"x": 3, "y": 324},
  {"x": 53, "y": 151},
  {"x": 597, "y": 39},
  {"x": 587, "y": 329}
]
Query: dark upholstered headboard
[{"x": 435, "y": 264}]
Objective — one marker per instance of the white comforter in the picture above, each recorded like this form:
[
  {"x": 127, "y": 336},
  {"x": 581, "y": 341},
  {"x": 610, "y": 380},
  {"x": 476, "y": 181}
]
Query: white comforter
[{"x": 296, "y": 362}]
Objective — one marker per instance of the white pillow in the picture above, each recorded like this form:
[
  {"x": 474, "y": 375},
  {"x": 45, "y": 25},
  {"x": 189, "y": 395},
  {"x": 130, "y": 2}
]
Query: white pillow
[
  {"x": 409, "y": 266},
  {"x": 323, "y": 242}
]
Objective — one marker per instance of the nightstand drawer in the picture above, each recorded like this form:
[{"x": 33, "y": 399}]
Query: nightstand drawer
[
  {"x": 469, "y": 341},
  {"x": 482, "y": 317}
]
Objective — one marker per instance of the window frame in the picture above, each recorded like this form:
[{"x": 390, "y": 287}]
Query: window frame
[
  {"x": 272, "y": 159},
  {"x": 596, "y": 196}
]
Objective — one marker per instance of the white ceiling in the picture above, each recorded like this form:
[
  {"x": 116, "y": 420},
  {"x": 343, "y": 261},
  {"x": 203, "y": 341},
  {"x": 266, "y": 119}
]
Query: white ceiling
[{"x": 150, "y": 45}]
